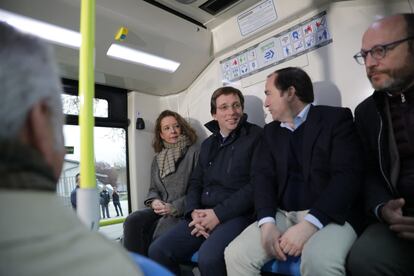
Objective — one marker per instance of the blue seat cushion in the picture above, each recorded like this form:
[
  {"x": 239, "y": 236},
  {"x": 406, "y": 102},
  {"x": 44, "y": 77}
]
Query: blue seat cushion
[
  {"x": 290, "y": 267},
  {"x": 148, "y": 266}
]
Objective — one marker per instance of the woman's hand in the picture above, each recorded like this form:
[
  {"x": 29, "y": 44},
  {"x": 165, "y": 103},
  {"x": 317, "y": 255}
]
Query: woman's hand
[
  {"x": 161, "y": 208},
  {"x": 156, "y": 204}
]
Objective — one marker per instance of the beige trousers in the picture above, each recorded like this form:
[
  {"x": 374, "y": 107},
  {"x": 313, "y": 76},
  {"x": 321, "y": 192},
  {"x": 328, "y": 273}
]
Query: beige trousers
[{"x": 323, "y": 254}]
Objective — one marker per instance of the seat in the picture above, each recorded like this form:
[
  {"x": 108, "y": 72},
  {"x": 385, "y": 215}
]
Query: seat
[
  {"x": 290, "y": 267},
  {"x": 148, "y": 266}
]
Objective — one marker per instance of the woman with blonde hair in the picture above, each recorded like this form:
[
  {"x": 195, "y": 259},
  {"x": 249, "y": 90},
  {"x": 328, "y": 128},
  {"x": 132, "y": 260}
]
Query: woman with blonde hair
[{"x": 176, "y": 156}]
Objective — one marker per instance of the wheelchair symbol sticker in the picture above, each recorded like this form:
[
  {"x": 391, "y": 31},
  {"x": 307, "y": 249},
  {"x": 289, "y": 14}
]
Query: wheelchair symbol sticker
[{"x": 296, "y": 35}]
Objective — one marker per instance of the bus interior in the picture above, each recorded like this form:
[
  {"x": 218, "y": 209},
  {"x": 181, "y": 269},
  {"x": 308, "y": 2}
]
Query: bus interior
[{"x": 213, "y": 43}]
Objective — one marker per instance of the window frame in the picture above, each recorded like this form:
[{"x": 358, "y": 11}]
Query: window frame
[{"x": 117, "y": 99}]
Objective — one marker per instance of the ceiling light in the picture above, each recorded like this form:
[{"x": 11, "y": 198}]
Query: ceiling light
[
  {"x": 132, "y": 55},
  {"x": 52, "y": 33}
]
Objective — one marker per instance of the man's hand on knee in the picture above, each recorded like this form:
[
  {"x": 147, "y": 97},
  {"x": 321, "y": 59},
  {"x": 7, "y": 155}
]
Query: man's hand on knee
[
  {"x": 392, "y": 214},
  {"x": 293, "y": 240},
  {"x": 270, "y": 241}
]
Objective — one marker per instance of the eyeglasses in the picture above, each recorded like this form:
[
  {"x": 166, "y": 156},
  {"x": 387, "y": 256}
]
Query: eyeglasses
[
  {"x": 226, "y": 107},
  {"x": 378, "y": 51}
]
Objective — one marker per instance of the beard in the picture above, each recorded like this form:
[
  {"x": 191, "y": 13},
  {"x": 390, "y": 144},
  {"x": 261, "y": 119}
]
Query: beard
[
  {"x": 398, "y": 79},
  {"x": 393, "y": 85}
]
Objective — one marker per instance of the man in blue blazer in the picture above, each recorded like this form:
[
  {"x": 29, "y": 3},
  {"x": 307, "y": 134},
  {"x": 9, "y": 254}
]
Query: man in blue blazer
[{"x": 307, "y": 175}]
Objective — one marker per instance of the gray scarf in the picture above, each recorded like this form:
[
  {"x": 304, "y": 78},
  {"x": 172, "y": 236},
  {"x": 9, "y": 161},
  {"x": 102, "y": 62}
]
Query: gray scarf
[{"x": 170, "y": 154}]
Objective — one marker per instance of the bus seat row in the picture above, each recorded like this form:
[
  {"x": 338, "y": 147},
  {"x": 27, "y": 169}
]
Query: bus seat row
[{"x": 290, "y": 267}]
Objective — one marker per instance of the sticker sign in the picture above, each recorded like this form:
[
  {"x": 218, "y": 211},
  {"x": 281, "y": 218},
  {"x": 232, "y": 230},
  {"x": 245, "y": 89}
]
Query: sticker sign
[
  {"x": 257, "y": 17},
  {"x": 298, "y": 40}
]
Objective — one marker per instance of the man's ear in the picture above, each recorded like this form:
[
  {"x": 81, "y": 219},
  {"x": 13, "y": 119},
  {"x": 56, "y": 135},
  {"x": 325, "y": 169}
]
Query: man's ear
[
  {"x": 291, "y": 93},
  {"x": 37, "y": 130}
]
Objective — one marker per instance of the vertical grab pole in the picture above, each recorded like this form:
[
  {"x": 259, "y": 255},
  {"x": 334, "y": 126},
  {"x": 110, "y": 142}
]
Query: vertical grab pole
[{"x": 88, "y": 203}]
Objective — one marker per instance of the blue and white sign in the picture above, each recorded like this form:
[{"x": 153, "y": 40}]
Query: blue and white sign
[
  {"x": 269, "y": 55},
  {"x": 298, "y": 40}
]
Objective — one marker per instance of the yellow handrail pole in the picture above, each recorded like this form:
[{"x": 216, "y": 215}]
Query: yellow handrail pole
[
  {"x": 88, "y": 206},
  {"x": 86, "y": 93}
]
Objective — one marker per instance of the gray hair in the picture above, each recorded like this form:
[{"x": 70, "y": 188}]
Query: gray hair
[{"x": 28, "y": 75}]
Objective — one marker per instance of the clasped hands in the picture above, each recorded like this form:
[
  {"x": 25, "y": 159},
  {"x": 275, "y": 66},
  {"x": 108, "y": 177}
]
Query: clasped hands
[
  {"x": 160, "y": 207},
  {"x": 289, "y": 243},
  {"x": 203, "y": 221}
]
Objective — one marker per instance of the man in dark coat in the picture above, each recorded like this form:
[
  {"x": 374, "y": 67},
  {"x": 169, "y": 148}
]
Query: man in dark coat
[
  {"x": 307, "y": 175},
  {"x": 219, "y": 201},
  {"x": 104, "y": 201},
  {"x": 385, "y": 122},
  {"x": 73, "y": 194},
  {"x": 116, "y": 201}
]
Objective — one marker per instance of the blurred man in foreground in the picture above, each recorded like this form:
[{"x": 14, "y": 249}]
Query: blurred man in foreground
[{"x": 38, "y": 235}]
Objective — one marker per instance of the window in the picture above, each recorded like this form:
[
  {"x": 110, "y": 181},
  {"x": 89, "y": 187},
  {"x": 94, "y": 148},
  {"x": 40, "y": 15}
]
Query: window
[
  {"x": 110, "y": 143},
  {"x": 71, "y": 106}
]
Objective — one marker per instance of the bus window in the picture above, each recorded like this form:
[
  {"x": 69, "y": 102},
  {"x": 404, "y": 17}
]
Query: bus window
[
  {"x": 71, "y": 105},
  {"x": 110, "y": 146},
  {"x": 110, "y": 165}
]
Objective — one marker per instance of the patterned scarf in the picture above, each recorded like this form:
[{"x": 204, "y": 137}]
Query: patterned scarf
[{"x": 170, "y": 154}]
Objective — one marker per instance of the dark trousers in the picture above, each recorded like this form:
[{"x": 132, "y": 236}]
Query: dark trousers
[
  {"x": 105, "y": 209},
  {"x": 139, "y": 228},
  {"x": 178, "y": 245},
  {"x": 380, "y": 252},
  {"x": 118, "y": 205}
]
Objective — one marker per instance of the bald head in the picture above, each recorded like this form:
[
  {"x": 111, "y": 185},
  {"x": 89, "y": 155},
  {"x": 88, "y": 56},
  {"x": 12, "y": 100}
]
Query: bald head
[{"x": 384, "y": 31}]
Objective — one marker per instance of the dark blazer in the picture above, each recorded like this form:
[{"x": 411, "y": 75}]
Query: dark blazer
[
  {"x": 332, "y": 166},
  {"x": 221, "y": 179}
]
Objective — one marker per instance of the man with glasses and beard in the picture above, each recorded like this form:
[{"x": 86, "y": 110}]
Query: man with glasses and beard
[{"x": 385, "y": 122}]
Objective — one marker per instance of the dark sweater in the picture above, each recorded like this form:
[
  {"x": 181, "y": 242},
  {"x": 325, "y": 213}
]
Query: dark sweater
[{"x": 294, "y": 194}]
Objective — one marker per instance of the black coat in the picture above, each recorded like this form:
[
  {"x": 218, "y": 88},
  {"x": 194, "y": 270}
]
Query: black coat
[
  {"x": 104, "y": 197},
  {"x": 221, "y": 179},
  {"x": 73, "y": 196},
  {"x": 115, "y": 197},
  {"x": 373, "y": 128},
  {"x": 332, "y": 167}
]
